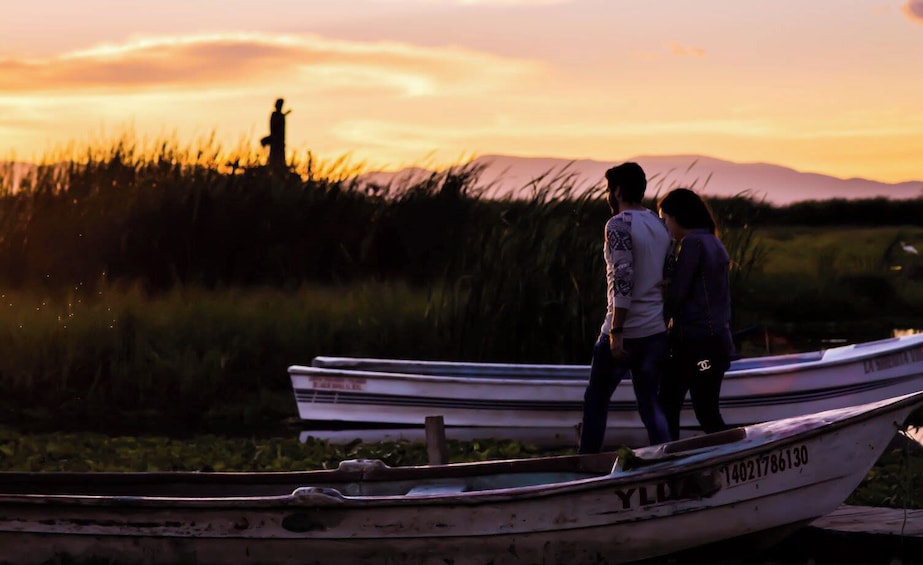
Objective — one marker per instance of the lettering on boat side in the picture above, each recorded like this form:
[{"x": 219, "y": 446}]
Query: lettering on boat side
[
  {"x": 683, "y": 488},
  {"x": 893, "y": 360},
  {"x": 754, "y": 468},
  {"x": 337, "y": 383}
]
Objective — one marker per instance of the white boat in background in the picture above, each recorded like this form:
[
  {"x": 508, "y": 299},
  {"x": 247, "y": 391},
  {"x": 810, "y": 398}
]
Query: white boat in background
[
  {"x": 747, "y": 485},
  {"x": 362, "y": 391},
  {"x": 542, "y": 438}
]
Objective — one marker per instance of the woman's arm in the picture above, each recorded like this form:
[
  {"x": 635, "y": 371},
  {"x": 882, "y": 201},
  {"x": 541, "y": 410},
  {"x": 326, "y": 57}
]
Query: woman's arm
[{"x": 687, "y": 265}]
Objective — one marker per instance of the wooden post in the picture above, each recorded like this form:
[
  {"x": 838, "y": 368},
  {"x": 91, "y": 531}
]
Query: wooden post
[{"x": 435, "y": 441}]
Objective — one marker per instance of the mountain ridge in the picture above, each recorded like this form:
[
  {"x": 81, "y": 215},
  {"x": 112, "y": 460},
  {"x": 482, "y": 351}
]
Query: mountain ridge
[{"x": 776, "y": 184}]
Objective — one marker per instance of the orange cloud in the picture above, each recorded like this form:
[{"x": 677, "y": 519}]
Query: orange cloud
[
  {"x": 677, "y": 49},
  {"x": 513, "y": 2},
  {"x": 913, "y": 9},
  {"x": 481, "y": 2},
  {"x": 191, "y": 62}
]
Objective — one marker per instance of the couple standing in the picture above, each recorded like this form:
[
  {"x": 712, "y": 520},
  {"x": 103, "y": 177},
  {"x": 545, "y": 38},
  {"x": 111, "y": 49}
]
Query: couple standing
[{"x": 662, "y": 272}]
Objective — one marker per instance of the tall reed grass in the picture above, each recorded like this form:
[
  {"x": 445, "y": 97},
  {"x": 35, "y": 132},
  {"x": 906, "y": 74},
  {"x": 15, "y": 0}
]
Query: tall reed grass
[{"x": 154, "y": 283}]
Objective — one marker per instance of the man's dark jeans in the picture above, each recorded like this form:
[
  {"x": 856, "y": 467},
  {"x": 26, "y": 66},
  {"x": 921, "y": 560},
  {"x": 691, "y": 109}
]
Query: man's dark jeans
[{"x": 645, "y": 361}]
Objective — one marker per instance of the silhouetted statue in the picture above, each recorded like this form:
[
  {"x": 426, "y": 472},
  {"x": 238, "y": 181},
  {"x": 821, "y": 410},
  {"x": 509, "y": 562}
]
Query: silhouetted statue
[{"x": 276, "y": 138}]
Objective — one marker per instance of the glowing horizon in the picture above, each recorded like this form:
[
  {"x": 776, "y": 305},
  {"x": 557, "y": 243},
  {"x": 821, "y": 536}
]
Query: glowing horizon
[{"x": 823, "y": 87}]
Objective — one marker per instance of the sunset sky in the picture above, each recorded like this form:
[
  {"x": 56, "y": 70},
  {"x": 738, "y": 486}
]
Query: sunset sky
[{"x": 828, "y": 86}]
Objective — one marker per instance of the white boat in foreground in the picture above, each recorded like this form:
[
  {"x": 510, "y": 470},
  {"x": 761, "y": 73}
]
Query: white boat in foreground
[
  {"x": 751, "y": 483},
  {"x": 361, "y": 391}
]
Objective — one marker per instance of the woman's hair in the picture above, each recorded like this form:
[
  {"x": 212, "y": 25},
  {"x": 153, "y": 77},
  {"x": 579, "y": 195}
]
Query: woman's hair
[{"x": 688, "y": 210}]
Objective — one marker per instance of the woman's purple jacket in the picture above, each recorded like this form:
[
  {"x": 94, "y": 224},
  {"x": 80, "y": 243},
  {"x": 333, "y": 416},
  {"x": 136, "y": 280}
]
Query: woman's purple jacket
[{"x": 698, "y": 297}]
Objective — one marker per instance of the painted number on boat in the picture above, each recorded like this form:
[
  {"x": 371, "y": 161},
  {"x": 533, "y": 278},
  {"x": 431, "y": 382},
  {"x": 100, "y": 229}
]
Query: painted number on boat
[
  {"x": 893, "y": 360},
  {"x": 766, "y": 465},
  {"x": 337, "y": 383}
]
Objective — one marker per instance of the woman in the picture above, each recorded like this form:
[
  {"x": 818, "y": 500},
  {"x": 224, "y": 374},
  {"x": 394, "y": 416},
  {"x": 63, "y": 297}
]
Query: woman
[{"x": 697, "y": 308}]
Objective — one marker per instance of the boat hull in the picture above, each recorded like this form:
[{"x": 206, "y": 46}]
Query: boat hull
[
  {"x": 672, "y": 498},
  {"x": 528, "y": 549},
  {"x": 357, "y": 391}
]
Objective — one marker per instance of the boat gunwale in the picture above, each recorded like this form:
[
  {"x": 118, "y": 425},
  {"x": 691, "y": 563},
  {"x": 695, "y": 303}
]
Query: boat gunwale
[
  {"x": 694, "y": 461},
  {"x": 846, "y": 354}
]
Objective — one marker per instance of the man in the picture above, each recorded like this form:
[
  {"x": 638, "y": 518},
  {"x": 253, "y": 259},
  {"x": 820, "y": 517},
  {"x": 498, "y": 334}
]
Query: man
[
  {"x": 276, "y": 138},
  {"x": 633, "y": 334}
]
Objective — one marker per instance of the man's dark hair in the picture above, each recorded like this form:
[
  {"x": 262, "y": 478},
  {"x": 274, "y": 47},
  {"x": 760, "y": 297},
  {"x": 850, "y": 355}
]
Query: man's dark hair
[{"x": 630, "y": 177}]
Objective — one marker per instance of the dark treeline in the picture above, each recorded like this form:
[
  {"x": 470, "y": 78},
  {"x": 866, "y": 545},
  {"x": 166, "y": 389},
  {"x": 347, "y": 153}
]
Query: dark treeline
[
  {"x": 832, "y": 212},
  {"x": 162, "y": 222}
]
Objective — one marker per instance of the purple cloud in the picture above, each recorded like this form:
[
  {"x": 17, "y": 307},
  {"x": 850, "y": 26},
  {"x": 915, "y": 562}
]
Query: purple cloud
[{"x": 913, "y": 9}]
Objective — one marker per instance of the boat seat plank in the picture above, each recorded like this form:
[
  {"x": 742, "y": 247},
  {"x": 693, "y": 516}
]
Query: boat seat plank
[
  {"x": 707, "y": 440},
  {"x": 441, "y": 488}
]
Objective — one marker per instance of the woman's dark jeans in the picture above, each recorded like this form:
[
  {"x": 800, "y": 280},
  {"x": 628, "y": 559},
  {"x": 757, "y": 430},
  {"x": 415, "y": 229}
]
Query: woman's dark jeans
[{"x": 696, "y": 367}]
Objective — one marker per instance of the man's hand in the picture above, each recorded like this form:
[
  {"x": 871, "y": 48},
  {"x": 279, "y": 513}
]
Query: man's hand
[{"x": 617, "y": 347}]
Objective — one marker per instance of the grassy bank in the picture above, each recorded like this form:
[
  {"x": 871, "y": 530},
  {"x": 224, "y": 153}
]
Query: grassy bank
[
  {"x": 840, "y": 274},
  {"x": 189, "y": 360}
]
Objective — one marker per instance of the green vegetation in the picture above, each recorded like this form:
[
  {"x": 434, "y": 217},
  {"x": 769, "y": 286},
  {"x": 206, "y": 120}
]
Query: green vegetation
[
  {"x": 896, "y": 481},
  {"x": 81, "y": 452},
  {"x": 846, "y": 282},
  {"x": 151, "y": 299},
  {"x": 187, "y": 360},
  {"x": 165, "y": 291},
  {"x": 165, "y": 288},
  {"x": 191, "y": 360}
]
